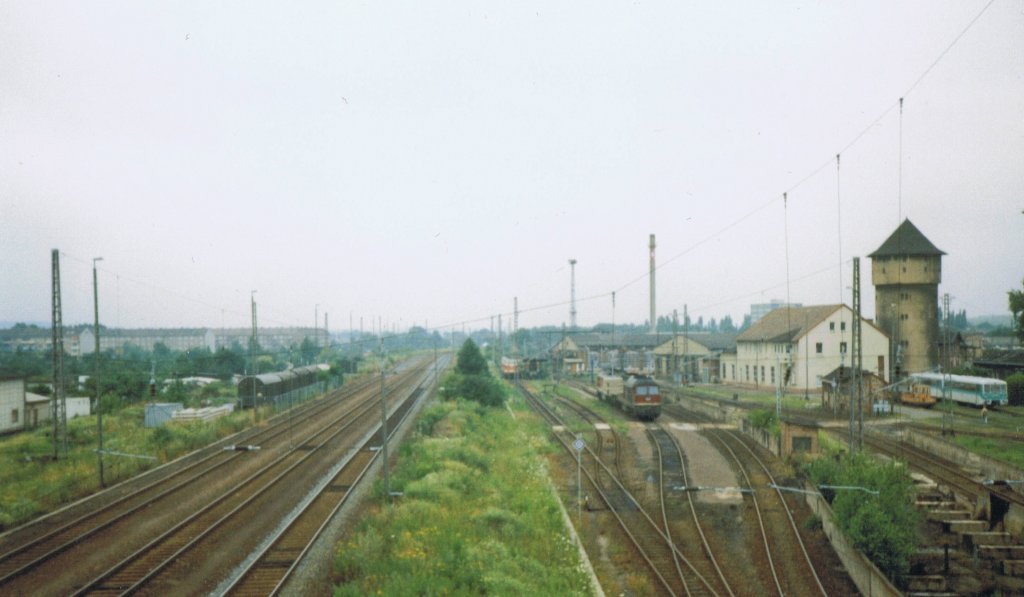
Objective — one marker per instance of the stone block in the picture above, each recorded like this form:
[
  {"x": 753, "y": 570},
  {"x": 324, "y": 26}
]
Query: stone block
[
  {"x": 931, "y": 583},
  {"x": 948, "y": 515},
  {"x": 968, "y": 526},
  {"x": 1013, "y": 568}
]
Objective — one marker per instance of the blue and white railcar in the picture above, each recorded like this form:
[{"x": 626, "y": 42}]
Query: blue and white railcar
[{"x": 965, "y": 389}]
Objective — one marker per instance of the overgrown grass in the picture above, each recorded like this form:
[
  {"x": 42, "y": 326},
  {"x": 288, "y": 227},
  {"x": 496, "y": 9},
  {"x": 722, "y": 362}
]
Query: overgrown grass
[
  {"x": 789, "y": 400},
  {"x": 477, "y": 515},
  {"x": 32, "y": 483},
  {"x": 765, "y": 420},
  {"x": 1009, "y": 452}
]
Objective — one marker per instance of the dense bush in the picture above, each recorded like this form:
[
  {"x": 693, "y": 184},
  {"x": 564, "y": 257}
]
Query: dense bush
[
  {"x": 472, "y": 380},
  {"x": 765, "y": 420},
  {"x": 1015, "y": 389},
  {"x": 883, "y": 527}
]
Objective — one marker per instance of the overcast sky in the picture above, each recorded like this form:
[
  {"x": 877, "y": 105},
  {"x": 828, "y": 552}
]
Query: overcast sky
[{"x": 427, "y": 162}]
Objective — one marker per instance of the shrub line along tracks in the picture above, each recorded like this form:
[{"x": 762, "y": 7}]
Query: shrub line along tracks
[
  {"x": 650, "y": 539},
  {"x": 42, "y": 547},
  {"x": 130, "y": 574}
]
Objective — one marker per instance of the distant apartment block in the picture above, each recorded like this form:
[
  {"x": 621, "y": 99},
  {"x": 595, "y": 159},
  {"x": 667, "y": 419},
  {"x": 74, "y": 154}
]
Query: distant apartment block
[{"x": 759, "y": 310}]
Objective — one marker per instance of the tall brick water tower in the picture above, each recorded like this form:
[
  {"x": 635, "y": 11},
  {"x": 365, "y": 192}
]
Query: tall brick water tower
[{"x": 906, "y": 271}]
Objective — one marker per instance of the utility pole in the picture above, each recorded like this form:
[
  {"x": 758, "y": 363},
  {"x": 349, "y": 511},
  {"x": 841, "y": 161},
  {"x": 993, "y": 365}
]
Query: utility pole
[
  {"x": 614, "y": 347},
  {"x": 675, "y": 356},
  {"x": 858, "y": 354},
  {"x": 515, "y": 325},
  {"x": 59, "y": 404},
  {"x": 384, "y": 428},
  {"x": 947, "y": 391},
  {"x": 654, "y": 316},
  {"x": 686, "y": 345},
  {"x": 96, "y": 334},
  {"x": 252, "y": 356},
  {"x": 572, "y": 289}
]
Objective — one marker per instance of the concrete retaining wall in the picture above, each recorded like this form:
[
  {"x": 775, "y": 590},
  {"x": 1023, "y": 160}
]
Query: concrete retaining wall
[
  {"x": 717, "y": 410},
  {"x": 868, "y": 578}
]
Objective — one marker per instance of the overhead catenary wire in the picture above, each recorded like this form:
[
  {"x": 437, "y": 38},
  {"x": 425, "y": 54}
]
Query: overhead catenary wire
[
  {"x": 815, "y": 171},
  {"x": 664, "y": 263}
]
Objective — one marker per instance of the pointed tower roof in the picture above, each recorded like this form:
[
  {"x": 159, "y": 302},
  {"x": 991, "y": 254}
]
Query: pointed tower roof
[{"x": 906, "y": 240}]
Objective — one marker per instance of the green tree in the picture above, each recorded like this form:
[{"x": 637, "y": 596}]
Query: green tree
[
  {"x": 882, "y": 525},
  {"x": 309, "y": 351},
  {"x": 1015, "y": 389},
  {"x": 470, "y": 361},
  {"x": 1017, "y": 308},
  {"x": 483, "y": 389}
]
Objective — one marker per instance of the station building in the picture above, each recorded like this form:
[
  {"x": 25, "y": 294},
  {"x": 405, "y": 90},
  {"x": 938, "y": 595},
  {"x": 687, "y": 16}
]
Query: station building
[{"x": 795, "y": 347}]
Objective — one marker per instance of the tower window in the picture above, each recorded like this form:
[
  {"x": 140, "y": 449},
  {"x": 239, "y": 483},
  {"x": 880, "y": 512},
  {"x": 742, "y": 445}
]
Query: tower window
[
  {"x": 831, "y": 326},
  {"x": 842, "y": 326},
  {"x": 817, "y": 348},
  {"x": 842, "y": 347}
]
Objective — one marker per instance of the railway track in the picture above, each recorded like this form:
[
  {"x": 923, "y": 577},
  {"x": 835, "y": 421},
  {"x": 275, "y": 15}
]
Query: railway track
[
  {"x": 771, "y": 510},
  {"x": 606, "y": 441},
  {"x": 71, "y": 545},
  {"x": 156, "y": 564},
  {"x": 940, "y": 470},
  {"x": 22, "y": 557},
  {"x": 705, "y": 570},
  {"x": 673, "y": 572},
  {"x": 268, "y": 572}
]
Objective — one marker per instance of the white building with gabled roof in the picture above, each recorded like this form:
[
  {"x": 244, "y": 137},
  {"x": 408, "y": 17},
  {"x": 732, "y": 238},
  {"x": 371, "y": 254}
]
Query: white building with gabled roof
[{"x": 794, "y": 347}]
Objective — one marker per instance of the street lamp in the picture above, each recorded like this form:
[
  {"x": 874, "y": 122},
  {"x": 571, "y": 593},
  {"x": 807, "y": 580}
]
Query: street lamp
[{"x": 96, "y": 375}]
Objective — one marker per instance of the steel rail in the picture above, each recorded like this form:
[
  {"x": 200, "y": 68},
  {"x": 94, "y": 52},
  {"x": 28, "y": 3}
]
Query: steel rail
[
  {"x": 546, "y": 412},
  {"x": 705, "y": 544},
  {"x": 566, "y": 444},
  {"x": 329, "y": 432},
  {"x": 246, "y": 578},
  {"x": 117, "y": 510},
  {"x": 757, "y": 511},
  {"x": 789, "y": 512},
  {"x": 664, "y": 510}
]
